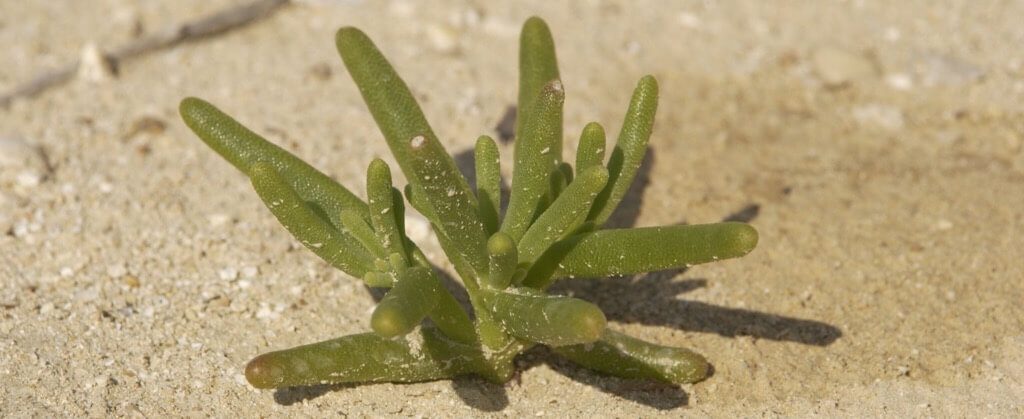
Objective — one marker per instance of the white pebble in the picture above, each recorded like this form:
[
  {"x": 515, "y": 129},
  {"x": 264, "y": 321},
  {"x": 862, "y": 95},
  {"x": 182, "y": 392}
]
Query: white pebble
[
  {"x": 899, "y": 81},
  {"x": 217, "y": 220},
  {"x": 94, "y": 66},
  {"x": 228, "y": 274},
  {"x": 21, "y": 163},
  {"x": 443, "y": 38},
  {"x": 947, "y": 70},
  {"x": 884, "y": 116},
  {"x": 117, "y": 270},
  {"x": 689, "y": 20}
]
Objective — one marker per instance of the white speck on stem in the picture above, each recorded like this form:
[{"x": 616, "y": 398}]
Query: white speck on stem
[{"x": 417, "y": 141}]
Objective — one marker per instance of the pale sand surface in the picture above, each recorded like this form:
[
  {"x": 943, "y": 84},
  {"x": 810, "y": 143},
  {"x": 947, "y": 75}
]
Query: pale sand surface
[{"x": 139, "y": 271}]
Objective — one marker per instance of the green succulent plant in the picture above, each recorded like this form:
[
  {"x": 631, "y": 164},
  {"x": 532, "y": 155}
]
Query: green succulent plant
[{"x": 551, "y": 230}]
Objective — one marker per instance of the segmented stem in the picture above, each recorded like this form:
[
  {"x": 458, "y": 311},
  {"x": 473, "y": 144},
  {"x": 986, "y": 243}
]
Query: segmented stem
[
  {"x": 628, "y": 357},
  {"x": 546, "y": 319},
  {"x": 316, "y": 233},
  {"x": 488, "y": 182},
  {"x": 590, "y": 151},
  {"x": 629, "y": 150}
]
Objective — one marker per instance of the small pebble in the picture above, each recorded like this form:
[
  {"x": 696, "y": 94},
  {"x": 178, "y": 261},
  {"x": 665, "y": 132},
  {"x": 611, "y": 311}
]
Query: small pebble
[
  {"x": 899, "y": 81},
  {"x": 320, "y": 71},
  {"x": 94, "y": 66},
  {"x": 117, "y": 270},
  {"x": 837, "y": 67},
  {"x": 131, "y": 281},
  {"x": 228, "y": 274},
  {"x": 443, "y": 38},
  {"x": 945, "y": 70},
  {"x": 689, "y": 20},
  {"x": 149, "y": 125},
  {"x": 21, "y": 162},
  {"x": 884, "y": 116}
]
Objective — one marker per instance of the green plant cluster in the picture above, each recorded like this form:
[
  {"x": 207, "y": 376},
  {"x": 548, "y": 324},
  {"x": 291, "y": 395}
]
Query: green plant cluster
[{"x": 552, "y": 229}]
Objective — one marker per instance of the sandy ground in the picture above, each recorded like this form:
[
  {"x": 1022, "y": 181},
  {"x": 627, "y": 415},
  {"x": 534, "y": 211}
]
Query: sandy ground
[{"x": 876, "y": 146}]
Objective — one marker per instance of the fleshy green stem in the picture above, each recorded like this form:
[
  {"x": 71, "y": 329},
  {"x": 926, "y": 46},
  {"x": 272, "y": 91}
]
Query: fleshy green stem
[
  {"x": 366, "y": 358},
  {"x": 488, "y": 182},
  {"x": 337, "y": 248},
  {"x": 631, "y": 251},
  {"x": 628, "y": 357},
  {"x": 630, "y": 149},
  {"x": 546, "y": 319}
]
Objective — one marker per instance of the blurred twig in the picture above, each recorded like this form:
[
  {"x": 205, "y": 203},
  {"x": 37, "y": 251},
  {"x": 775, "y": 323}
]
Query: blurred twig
[{"x": 209, "y": 25}]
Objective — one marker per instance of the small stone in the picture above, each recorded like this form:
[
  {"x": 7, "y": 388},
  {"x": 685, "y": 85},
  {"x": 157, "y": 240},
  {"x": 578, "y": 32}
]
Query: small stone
[
  {"x": 21, "y": 163},
  {"x": 689, "y": 20},
  {"x": 443, "y": 38},
  {"x": 943, "y": 225},
  {"x": 936, "y": 69},
  {"x": 131, "y": 281},
  {"x": 228, "y": 274},
  {"x": 884, "y": 116},
  {"x": 837, "y": 67},
  {"x": 94, "y": 66},
  {"x": 106, "y": 187},
  {"x": 87, "y": 295},
  {"x": 899, "y": 81},
  {"x": 218, "y": 219},
  {"x": 148, "y": 125},
  {"x": 320, "y": 71},
  {"x": 117, "y": 270}
]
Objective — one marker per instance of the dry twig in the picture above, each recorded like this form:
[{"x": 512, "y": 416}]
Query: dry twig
[{"x": 213, "y": 24}]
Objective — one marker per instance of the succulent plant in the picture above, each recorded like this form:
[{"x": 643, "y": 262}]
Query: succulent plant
[{"x": 551, "y": 230}]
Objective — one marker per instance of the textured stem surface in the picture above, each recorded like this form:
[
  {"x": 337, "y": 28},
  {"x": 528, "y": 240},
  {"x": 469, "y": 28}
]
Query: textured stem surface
[
  {"x": 316, "y": 233},
  {"x": 628, "y": 357},
  {"x": 501, "y": 251},
  {"x": 416, "y": 149},
  {"x": 488, "y": 182},
  {"x": 567, "y": 213},
  {"x": 538, "y": 65},
  {"x": 538, "y": 151},
  {"x": 383, "y": 212},
  {"x": 631, "y": 251},
  {"x": 365, "y": 358},
  {"x": 629, "y": 150},
  {"x": 590, "y": 151},
  {"x": 242, "y": 148},
  {"x": 415, "y": 293},
  {"x": 546, "y": 319}
]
